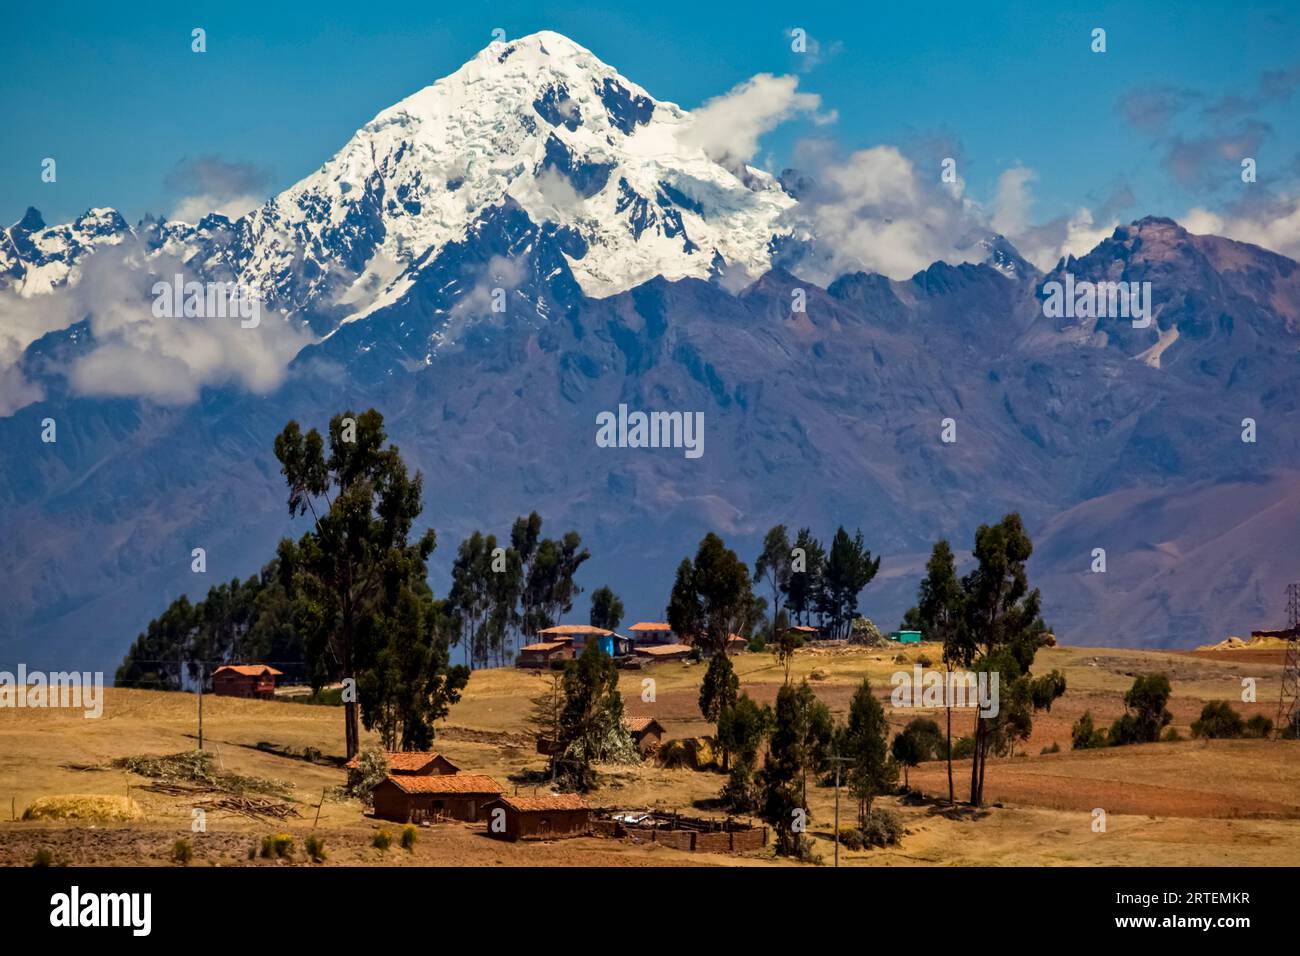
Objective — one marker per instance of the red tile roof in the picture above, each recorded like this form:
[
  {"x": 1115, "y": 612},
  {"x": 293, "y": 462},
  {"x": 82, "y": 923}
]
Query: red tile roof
[
  {"x": 650, "y": 626},
  {"x": 248, "y": 670},
  {"x": 804, "y": 628},
  {"x": 409, "y": 761},
  {"x": 546, "y": 645},
  {"x": 574, "y": 629},
  {"x": 636, "y": 725},
  {"x": 551, "y": 801},
  {"x": 447, "y": 783}
]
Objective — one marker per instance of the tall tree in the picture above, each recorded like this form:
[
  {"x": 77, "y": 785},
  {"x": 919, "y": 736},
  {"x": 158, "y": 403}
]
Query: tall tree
[
  {"x": 348, "y": 570},
  {"x": 718, "y": 693},
  {"x": 471, "y": 596},
  {"x": 524, "y": 535},
  {"x": 548, "y": 709},
  {"x": 711, "y": 598},
  {"x": 849, "y": 568},
  {"x": 409, "y": 685},
  {"x": 741, "y": 730},
  {"x": 870, "y": 772},
  {"x": 685, "y": 616},
  {"x": 799, "y": 745},
  {"x": 1002, "y": 628},
  {"x": 939, "y": 615},
  {"x": 773, "y": 564},
  {"x": 807, "y": 564},
  {"x": 591, "y": 723},
  {"x": 606, "y": 609}
]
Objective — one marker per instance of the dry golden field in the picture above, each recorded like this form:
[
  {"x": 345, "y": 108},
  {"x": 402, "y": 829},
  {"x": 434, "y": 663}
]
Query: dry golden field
[{"x": 1171, "y": 804}]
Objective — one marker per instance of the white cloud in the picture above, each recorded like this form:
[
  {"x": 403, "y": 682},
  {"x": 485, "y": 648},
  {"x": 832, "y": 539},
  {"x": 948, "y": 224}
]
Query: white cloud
[
  {"x": 193, "y": 208},
  {"x": 134, "y": 352},
  {"x": 728, "y": 127},
  {"x": 1275, "y": 226}
]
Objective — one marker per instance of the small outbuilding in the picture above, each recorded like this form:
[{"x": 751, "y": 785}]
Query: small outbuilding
[
  {"x": 245, "y": 680},
  {"x": 405, "y": 798},
  {"x": 652, "y": 632},
  {"x": 906, "y": 637},
  {"x": 414, "y": 763},
  {"x": 664, "y": 652},
  {"x": 550, "y": 817},
  {"x": 646, "y": 732},
  {"x": 541, "y": 654}
]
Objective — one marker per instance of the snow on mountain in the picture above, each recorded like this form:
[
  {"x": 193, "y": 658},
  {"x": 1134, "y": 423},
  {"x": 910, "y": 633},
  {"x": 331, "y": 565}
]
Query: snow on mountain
[
  {"x": 538, "y": 122},
  {"x": 35, "y": 258},
  {"x": 544, "y": 122}
]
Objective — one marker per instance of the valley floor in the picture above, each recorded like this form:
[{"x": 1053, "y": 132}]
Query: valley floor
[{"x": 1232, "y": 802}]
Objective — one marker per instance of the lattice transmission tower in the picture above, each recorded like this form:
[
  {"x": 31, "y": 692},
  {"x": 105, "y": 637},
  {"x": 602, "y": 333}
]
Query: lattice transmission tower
[{"x": 1288, "y": 705}]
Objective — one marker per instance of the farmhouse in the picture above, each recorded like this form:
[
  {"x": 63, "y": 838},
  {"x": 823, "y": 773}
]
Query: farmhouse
[
  {"x": 543, "y": 653},
  {"x": 406, "y": 798},
  {"x": 736, "y": 644},
  {"x": 550, "y": 817},
  {"x": 651, "y": 632},
  {"x": 646, "y": 733},
  {"x": 806, "y": 632},
  {"x": 415, "y": 764},
  {"x": 579, "y": 635},
  {"x": 664, "y": 652},
  {"x": 245, "y": 680}
]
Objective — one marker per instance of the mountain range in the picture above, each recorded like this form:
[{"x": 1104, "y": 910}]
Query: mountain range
[{"x": 533, "y": 240}]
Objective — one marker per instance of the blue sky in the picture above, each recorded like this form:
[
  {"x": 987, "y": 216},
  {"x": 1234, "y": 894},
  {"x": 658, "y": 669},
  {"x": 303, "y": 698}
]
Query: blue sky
[{"x": 120, "y": 101}]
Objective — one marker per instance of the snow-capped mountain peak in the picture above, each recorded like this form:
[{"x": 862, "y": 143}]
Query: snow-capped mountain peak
[{"x": 539, "y": 121}]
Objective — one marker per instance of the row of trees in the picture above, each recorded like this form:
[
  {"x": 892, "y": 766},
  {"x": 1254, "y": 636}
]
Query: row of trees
[
  {"x": 801, "y": 740},
  {"x": 807, "y": 582},
  {"x": 349, "y": 598},
  {"x": 241, "y": 620},
  {"x": 502, "y": 595}
]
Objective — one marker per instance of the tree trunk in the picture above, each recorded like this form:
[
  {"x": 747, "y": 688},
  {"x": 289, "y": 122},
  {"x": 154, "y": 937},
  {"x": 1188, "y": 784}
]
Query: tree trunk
[
  {"x": 950, "y": 794},
  {"x": 975, "y": 764}
]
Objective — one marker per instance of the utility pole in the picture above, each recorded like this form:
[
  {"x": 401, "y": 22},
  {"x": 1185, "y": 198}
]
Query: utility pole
[
  {"x": 202, "y": 678},
  {"x": 837, "y": 761}
]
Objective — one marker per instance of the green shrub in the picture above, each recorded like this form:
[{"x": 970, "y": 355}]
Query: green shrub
[
  {"x": 963, "y": 747},
  {"x": 182, "y": 852},
  {"x": 410, "y": 833},
  {"x": 1084, "y": 736},
  {"x": 1055, "y": 748},
  {"x": 370, "y": 772},
  {"x": 382, "y": 841},
  {"x": 1218, "y": 721},
  {"x": 882, "y": 828},
  {"x": 315, "y": 847},
  {"x": 1171, "y": 735},
  {"x": 851, "y": 838},
  {"x": 252, "y": 851},
  {"x": 1259, "y": 727},
  {"x": 44, "y": 857}
]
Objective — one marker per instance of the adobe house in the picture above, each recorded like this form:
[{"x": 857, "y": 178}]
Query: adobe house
[
  {"x": 736, "y": 644},
  {"x": 664, "y": 652},
  {"x": 580, "y": 635},
  {"x": 652, "y": 632},
  {"x": 245, "y": 680},
  {"x": 416, "y": 764},
  {"x": 407, "y": 798},
  {"x": 806, "y": 632},
  {"x": 541, "y": 654},
  {"x": 646, "y": 732},
  {"x": 551, "y": 817}
]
